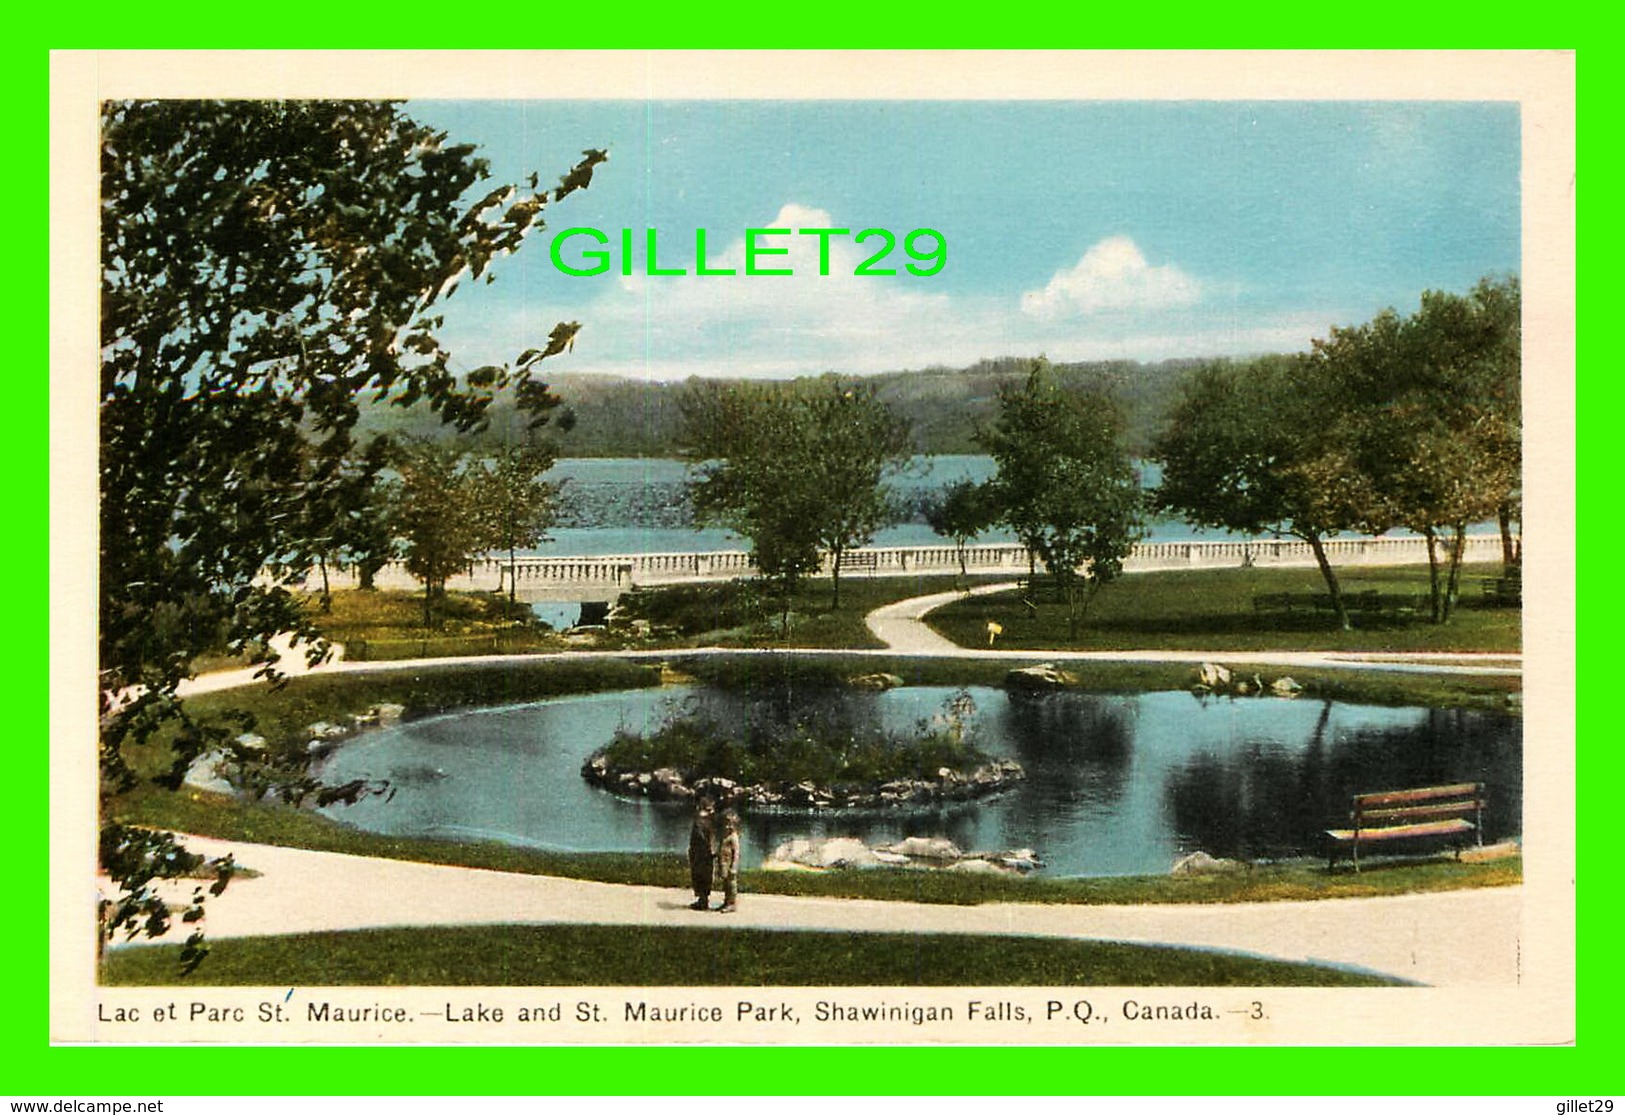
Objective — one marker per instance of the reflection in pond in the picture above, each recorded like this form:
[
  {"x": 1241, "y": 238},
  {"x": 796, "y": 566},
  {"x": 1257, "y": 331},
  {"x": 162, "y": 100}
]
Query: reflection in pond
[
  {"x": 1115, "y": 784},
  {"x": 1078, "y": 753},
  {"x": 1262, "y": 801},
  {"x": 1256, "y": 801}
]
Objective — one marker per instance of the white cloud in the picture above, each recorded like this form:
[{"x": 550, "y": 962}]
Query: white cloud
[{"x": 1113, "y": 275}]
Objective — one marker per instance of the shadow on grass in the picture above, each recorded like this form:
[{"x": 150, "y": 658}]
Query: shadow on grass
[
  {"x": 641, "y": 956},
  {"x": 1215, "y": 610},
  {"x": 1250, "y": 624}
]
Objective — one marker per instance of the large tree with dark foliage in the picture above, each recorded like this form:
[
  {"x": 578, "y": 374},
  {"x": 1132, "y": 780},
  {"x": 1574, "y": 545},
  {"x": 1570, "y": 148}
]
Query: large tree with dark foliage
[
  {"x": 1402, "y": 421},
  {"x": 799, "y": 472},
  {"x": 436, "y": 514},
  {"x": 1065, "y": 484},
  {"x": 960, "y": 511},
  {"x": 740, "y": 442},
  {"x": 1261, "y": 447},
  {"x": 1434, "y": 419},
  {"x": 853, "y": 444},
  {"x": 265, "y": 264},
  {"x": 350, "y": 525},
  {"x": 518, "y": 505}
]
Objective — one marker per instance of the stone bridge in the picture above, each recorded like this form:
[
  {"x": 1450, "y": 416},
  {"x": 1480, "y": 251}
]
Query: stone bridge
[{"x": 605, "y": 577}]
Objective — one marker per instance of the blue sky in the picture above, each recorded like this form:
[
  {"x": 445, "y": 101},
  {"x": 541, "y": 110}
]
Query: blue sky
[{"x": 1081, "y": 230}]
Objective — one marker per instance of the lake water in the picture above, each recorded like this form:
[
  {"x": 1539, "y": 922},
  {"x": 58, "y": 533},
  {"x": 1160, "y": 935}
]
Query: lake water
[
  {"x": 640, "y": 505},
  {"x": 625, "y": 506},
  {"x": 1116, "y": 785}
]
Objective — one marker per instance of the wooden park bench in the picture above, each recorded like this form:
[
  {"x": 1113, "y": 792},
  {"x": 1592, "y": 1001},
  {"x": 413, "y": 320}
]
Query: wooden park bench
[
  {"x": 1431, "y": 813},
  {"x": 1308, "y": 601},
  {"x": 1503, "y": 592},
  {"x": 1368, "y": 602}
]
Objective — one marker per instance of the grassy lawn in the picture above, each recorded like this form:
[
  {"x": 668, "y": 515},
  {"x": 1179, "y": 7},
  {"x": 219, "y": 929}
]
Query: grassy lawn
[
  {"x": 1208, "y": 609},
  {"x": 742, "y": 614},
  {"x": 384, "y": 626},
  {"x": 281, "y": 714},
  {"x": 1296, "y": 882},
  {"x": 1353, "y": 686},
  {"x": 1212, "y": 609},
  {"x": 379, "y": 626},
  {"x": 621, "y": 956}
]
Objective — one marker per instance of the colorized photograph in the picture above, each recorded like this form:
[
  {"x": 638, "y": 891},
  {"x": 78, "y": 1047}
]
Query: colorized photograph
[{"x": 878, "y": 550}]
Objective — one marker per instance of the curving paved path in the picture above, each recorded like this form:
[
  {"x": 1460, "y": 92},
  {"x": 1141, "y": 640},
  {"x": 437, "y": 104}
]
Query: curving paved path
[
  {"x": 1414, "y": 937},
  {"x": 901, "y": 625}
]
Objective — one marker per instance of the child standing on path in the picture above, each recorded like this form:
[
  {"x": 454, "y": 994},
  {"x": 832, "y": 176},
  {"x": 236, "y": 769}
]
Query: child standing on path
[{"x": 728, "y": 862}]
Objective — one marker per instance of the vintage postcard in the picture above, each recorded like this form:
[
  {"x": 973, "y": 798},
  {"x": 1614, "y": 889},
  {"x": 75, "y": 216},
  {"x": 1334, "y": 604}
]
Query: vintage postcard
[{"x": 813, "y": 548}]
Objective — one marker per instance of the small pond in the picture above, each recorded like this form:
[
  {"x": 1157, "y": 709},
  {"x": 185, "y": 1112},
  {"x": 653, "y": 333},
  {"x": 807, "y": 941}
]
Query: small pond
[{"x": 1116, "y": 785}]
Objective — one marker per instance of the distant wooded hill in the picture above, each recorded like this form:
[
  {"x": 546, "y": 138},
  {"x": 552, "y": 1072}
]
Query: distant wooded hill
[{"x": 608, "y": 416}]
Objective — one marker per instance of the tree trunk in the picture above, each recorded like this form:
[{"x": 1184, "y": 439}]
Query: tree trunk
[
  {"x": 1072, "y": 611},
  {"x": 366, "y": 571},
  {"x": 1458, "y": 546},
  {"x": 1329, "y": 575},
  {"x": 327, "y": 592},
  {"x": 428, "y": 596},
  {"x": 513, "y": 580},
  {"x": 1091, "y": 586},
  {"x": 1510, "y": 557},
  {"x": 960, "y": 583},
  {"x": 1435, "y": 593},
  {"x": 835, "y": 576}
]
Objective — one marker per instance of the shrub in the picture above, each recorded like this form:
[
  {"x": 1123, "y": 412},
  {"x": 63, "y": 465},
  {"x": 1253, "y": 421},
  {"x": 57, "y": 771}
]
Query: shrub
[
  {"x": 768, "y": 747},
  {"x": 697, "y": 608}
]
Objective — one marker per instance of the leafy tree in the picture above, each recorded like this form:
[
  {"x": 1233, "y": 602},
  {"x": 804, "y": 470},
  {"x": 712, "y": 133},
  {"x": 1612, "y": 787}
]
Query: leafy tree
[
  {"x": 364, "y": 535},
  {"x": 853, "y": 443},
  {"x": 1500, "y": 306},
  {"x": 743, "y": 446},
  {"x": 1259, "y": 447},
  {"x": 344, "y": 511},
  {"x": 1014, "y": 492},
  {"x": 1435, "y": 419},
  {"x": 1065, "y": 483},
  {"x": 264, "y": 264},
  {"x": 794, "y": 472},
  {"x": 517, "y": 503},
  {"x": 438, "y": 515},
  {"x": 960, "y": 512},
  {"x": 1400, "y": 421}
]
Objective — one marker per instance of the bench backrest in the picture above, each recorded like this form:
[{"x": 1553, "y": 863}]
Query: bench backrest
[{"x": 1409, "y": 805}]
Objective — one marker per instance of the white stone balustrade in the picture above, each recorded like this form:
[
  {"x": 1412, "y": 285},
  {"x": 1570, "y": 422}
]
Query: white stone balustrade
[{"x": 605, "y": 577}]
